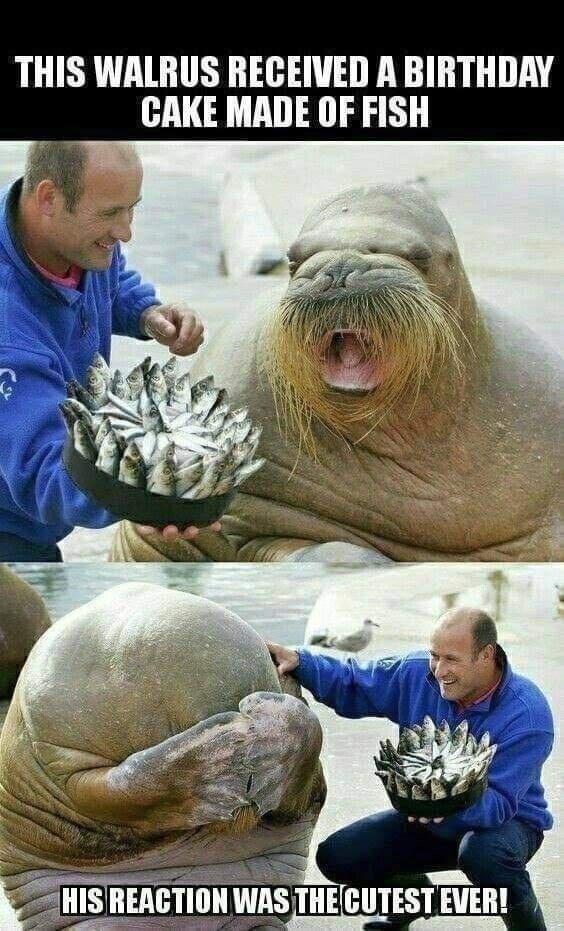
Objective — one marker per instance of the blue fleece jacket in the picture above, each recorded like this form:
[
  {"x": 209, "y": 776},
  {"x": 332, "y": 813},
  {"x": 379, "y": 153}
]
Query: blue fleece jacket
[
  {"x": 404, "y": 690},
  {"x": 48, "y": 335}
]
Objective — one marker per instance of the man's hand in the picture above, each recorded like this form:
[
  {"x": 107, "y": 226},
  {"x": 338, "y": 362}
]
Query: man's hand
[
  {"x": 426, "y": 820},
  {"x": 175, "y": 326},
  {"x": 284, "y": 659},
  {"x": 173, "y": 533}
]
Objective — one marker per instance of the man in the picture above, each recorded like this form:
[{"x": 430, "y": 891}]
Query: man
[
  {"x": 64, "y": 289},
  {"x": 466, "y": 676}
]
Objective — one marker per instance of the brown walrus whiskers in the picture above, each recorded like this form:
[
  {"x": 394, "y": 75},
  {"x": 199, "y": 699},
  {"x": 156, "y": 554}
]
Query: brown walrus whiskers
[{"x": 414, "y": 332}]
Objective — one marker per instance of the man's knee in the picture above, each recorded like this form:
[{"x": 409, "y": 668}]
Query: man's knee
[
  {"x": 329, "y": 858},
  {"x": 482, "y": 855}
]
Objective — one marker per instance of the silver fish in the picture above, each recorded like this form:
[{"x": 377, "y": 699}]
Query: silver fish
[
  {"x": 96, "y": 385},
  {"x": 135, "y": 382},
  {"x": 403, "y": 787},
  {"x": 102, "y": 432},
  {"x": 427, "y": 733},
  {"x": 202, "y": 386},
  {"x": 462, "y": 785},
  {"x": 72, "y": 410},
  {"x": 204, "y": 402},
  {"x": 438, "y": 790},
  {"x": 169, "y": 372},
  {"x": 181, "y": 394},
  {"x": 99, "y": 363},
  {"x": 188, "y": 475},
  {"x": 109, "y": 455},
  {"x": 245, "y": 471},
  {"x": 84, "y": 441},
  {"x": 460, "y": 735},
  {"x": 161, "y": 480},
  {"x": 132, "y": 468},
  {"x": 420, "y": 792},
  {"x": 156, "y": 385},
  {"x": 119, "y": 386},
  {"x": 76, "y": 391},
  {"x": 471, "y": 745},
  {"x": 409, "y": 740}
]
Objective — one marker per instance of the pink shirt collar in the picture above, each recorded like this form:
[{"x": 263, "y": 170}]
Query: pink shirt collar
[{"x": 70, "y": 280}]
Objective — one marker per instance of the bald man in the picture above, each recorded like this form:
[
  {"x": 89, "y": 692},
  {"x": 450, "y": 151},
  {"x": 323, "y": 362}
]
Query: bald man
[
  {"x": 65, "y": 289},
  {"x": 464, "y": 676}
]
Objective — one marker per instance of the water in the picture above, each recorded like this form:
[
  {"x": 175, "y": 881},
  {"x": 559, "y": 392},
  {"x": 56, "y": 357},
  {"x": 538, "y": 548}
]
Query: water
[{"x": 276, "y": 600}]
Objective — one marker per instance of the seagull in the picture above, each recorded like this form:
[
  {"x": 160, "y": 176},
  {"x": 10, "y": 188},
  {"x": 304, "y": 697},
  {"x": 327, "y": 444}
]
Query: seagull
[{"x": 354, "y": 642}]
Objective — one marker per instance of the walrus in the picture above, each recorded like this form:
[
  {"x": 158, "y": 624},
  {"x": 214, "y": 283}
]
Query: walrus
[
  {"x": 23, "y": 618},
  {"x": 149, "y": 740},
  {"x": 403, "y": 418}
]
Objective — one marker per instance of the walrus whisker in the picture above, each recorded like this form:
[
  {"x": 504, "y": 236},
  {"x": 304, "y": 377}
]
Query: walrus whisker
[{"x": 412, "y": 334}]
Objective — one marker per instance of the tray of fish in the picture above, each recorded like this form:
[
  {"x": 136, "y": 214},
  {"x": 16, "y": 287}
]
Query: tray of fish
[
  {"x": 154, "y": 448},
  {"x": 434, "y": 771}
]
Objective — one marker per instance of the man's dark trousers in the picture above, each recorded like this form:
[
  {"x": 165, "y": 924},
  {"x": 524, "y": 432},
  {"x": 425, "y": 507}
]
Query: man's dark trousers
[
  {"x": 372, "y": 851},
  {"x": 16, "y": 549}
]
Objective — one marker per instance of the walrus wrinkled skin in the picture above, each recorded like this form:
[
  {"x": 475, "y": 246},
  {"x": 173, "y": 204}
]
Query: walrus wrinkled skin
[
  {"x": 23, "y": 618},
  {"x": 149, "y": 741},
  {"x": 433, "y": 435}
]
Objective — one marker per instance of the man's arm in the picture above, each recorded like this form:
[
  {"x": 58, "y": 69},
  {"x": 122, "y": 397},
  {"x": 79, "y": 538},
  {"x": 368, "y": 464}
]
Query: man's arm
[
  {"x": 351, "y": 689},
  {"x": 515, "y": 766},
  {"x": 33, "y": 435}
]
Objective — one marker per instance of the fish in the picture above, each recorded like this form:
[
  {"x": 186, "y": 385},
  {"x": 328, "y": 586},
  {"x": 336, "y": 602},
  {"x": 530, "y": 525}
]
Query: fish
[
  {"x": 156, "y": 384},
  {"x": 438, "y": 790},
  {"x": 409, "y": 740},
  {"x": 132, "y": 469},
  {"x": 109, "y": 455},
  {"x": 169, "y": 372},
  {"x": 73, "y": 410},
  {"x": 427, "y": 733},
  {"x": 102, "y": 432},
  {"x": 403, "y": 787},
  {"x": 460, "y": 735},
  {"x": 136, "y": 382},
  {"x": 75, "y": 390},
  {"x": 84, "y": 441},
  {"x": 204, "y": 402},
  {"x": 99, "y": 363},
  {"x": 245, "y": 471},
  {"x": 137, "y": 417},
  {"x": 161, "y": 480},
  {"x": 119, "y": 386},
  {"x": 96, "y": 385},
  {"x": 181, "y": 394}
]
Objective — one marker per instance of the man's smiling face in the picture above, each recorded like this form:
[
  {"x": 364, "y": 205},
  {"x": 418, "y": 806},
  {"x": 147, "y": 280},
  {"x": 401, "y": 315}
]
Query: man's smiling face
[
  {"x": 87, "y": 234},
  {"x": 462, "y": 673}
]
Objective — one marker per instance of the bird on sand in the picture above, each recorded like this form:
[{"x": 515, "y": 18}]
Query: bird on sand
[{"x": 353, "y": 642}]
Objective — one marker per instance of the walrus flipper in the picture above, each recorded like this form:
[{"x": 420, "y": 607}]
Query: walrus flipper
[{"x": 232, "y": 768}]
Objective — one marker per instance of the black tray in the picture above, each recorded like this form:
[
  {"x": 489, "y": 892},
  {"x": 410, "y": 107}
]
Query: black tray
[
  {"x": 437, "y": 807},
  {"x": 137, "y": 504}
]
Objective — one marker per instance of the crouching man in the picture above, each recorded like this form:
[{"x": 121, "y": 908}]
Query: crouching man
[{"x": 465, "y": 676}]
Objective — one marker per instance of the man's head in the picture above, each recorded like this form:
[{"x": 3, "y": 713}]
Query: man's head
[
  {"x": 464, "y": 653},
  {"x": 79, "y": 197}
]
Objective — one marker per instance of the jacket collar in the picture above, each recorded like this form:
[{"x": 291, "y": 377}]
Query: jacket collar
[
  {"x": 492, "y": 700},
  {"x": 9, "y": 199}
]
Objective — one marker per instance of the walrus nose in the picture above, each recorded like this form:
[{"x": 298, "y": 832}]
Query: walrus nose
[{"x": 340, "y": 270}]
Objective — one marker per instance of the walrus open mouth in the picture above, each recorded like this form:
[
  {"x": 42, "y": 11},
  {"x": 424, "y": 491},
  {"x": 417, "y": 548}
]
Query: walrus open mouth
[
  {"x": 325, "y": 359},
  {"x": 346, "y": 362}
]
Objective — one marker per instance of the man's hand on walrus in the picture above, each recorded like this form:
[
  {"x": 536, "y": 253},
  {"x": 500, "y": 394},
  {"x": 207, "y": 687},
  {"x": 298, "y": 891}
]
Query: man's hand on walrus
[
  {"x": 284, "y": 659},
  {"x": 175, "y": 326}
]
